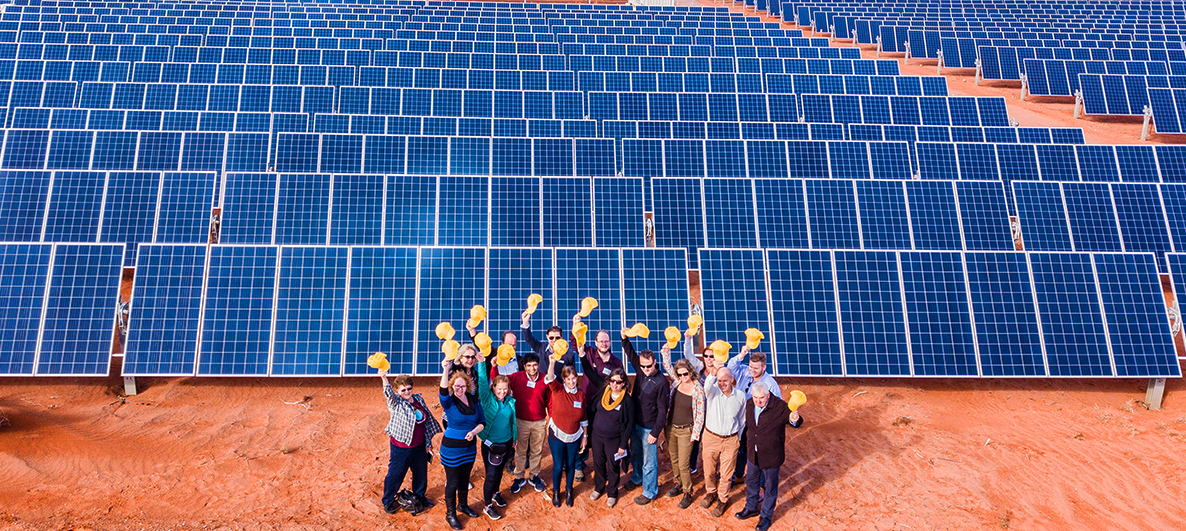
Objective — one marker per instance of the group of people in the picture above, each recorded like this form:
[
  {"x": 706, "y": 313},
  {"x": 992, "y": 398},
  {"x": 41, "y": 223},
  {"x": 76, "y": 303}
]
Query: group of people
[{"x": 730, "y": 411}]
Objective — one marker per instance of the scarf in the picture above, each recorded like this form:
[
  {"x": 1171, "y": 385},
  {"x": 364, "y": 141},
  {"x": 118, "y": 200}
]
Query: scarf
[{"x": 609, "y": 403}]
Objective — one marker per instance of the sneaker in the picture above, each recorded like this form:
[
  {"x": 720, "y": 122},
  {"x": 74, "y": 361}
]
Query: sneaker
[
  {"x": 686, "y": 501},
  {"x": 641, "y": 499},
  {"x": 708, "y": 500},
  {"x": 497, "y": 500},
  {"x": 594, "y": 495},
  {"x": 611, "y": 501},
  {"x": 491, "y": 512},
  {"x": 538, "y": 484},
  {"x": 517, "y": 485},
  {"x": 471, "y": 486},
  {"x": 675, "y": 491},
  {"x": 579, "y": 476}
]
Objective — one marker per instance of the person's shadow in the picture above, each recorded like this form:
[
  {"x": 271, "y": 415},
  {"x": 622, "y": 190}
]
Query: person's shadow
[{"x": 834, "y": 439}]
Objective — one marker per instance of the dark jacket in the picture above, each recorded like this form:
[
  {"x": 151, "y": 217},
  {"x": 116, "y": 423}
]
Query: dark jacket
[
  {"x": 766, "y": 438},
  {"x": 614, "y": 426},
  {"x": 543, "y": 350},
  {"x": 650, "y": 393}
]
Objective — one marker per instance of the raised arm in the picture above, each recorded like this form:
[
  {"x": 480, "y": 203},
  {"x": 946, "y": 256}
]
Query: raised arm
[
  {"x": 596, "y": 379},
  {"x": 669, "y": 371},
  {"x": 734, "y": 364},
  {"x": 388, "y": 392},
  {"x": 447, "y": 365},
  {"x": 631, "y": 355},
  {"x": 532, "y": 342},
  {"x": 551, "y": 376},
  {"x": 484, "y": 393},
  {"x": 690, "y": 353}
]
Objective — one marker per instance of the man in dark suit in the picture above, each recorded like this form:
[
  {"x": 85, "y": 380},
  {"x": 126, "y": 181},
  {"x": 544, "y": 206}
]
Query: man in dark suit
[{"x": 766, "y": 418}]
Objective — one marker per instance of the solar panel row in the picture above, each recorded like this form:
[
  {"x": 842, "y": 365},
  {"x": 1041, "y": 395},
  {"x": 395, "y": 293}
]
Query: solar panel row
[
  {"x": 911, "y": 313},
  {"x": 261, "y": 310}
]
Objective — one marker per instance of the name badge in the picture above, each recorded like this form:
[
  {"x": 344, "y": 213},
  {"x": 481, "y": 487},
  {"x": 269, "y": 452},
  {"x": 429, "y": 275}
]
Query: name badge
[
  {"x": 617, "y": 407},
  {"x": 576, "y": 404},
  {"x": 531, "y": 384},
  {"x": 606, "y": 371}
]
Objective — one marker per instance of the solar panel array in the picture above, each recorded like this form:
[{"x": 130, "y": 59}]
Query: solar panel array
[
  {"x": 943, "y": 313},
  {"x": 380, "y": 167},
  {"x": 258, "y": 310}
]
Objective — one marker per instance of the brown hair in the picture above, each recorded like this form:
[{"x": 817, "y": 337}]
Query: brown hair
[
  {"x": 757, "y": 357},
  {"x": 461, "y": 375},
  {"x": 683, "y": 364},
  {"x": 403, "y": 380},
  {"x": 567, "y": 371},
  {"x": 647, "y": 354},
  {"x": 499, "y": 380},
  {"x": 508, "y": 333}
]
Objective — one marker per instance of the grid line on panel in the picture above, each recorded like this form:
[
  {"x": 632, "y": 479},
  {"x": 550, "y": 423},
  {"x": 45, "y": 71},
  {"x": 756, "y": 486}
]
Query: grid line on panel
[
  {"x": 356, "y": 212},
  {"x": 833, "y": 219},
  {"x": 984, "y": 216},
  {"x": 410, "y": 216},
  {"x": 249, "y": 208},
  {"x": 1042, "y": 215},
  {"x": 75, "y": 206},
  {"x": 1091, "y": 217},
  {"x": 24, "y": 272},
  {"x": 310, "y": 311},
  {"x": 77, "y": 323},
  {"x": 1141, "y": 217},
  {"x": 941, "y": 333},
  {"x": 781, "y": 213},
  {"x": 618, "y": 212},
  {"x": 729, "y": 218},
  {"x": 238, "y": 315},
  {"x": 1005, "y": 315},
  {"x": 515, "y": 212},
  {"x": 805, "y": 325},
  {"x": 24, "y": 199},
  {"x": 1141, "y": 342},
  {"x": 381, "y": 314},
  {"x": 463, "y": 217},
  {"x": 884, "y": 217},
  {"x": 167, "y": 304},
  {"x": 1072, "y": 327},
  {"x": 130, "y": 210},
  {"x": 185, "y": 207}
]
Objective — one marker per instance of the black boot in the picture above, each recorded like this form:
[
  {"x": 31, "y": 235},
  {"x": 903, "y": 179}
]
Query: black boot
[
  {"x": 568, "y": 497},
  {"x": 464, "y": 508},
  {"x": 427, "y": 503},
  {"x": 451, "y": 517},
  {"x": 555, "y": 497}
]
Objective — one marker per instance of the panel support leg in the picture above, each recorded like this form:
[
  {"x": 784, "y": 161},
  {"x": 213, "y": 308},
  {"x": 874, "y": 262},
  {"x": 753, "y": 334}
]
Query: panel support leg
[
  {"x": 1024, "y": 86},
  {"x": 1078, "y": 101},
  {"x": 939, "y": 69},
  {"x": 1148, "y": 112},
  {"x": 130, "y": 385},
  {"x": 878, "y": 46},
  {"x": 906, "y": 46},
  {"x": 978, "y": 71},
  {"x": 1155, "y": 393}
]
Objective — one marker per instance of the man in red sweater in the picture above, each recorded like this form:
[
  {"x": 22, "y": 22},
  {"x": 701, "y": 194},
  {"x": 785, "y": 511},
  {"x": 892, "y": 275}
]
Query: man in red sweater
[{"x": 531, "y": 419}]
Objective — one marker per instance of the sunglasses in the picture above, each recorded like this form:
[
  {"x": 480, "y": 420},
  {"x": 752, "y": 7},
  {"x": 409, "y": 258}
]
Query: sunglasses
[
  {"x": 405, "y": 390},
  {"x": 681, "y": 374},
  {"x": 646, "y": 366},
  {"x": 468, "y": 357},
  {"x": 553, "y": 338},
  {"x": 617, "y": 382}
]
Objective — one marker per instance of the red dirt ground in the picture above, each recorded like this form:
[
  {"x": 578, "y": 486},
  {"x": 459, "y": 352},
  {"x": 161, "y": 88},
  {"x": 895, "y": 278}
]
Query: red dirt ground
[{"x": 209, "y": 453}]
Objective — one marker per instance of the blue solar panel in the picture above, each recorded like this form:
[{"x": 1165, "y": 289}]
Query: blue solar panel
[
  {"x": 568, "y": 217},
  {"x": 301, "y": 207},
  {"x": 679, "y": 213},
  {"x": 310, "y": 311},
  {"x": 22, "y": 198},
  {"x": 984, "y": 216},
  {"x": 452, "y": 280},
  {"x": 1005, "y": 314},
  {"x": 654, "y": 291},
  {"x": 1042, "y": 216},
  {"x": 238, "y": 313},
  {"x": 832, "y": 215},
  {"x": 129, "y": 216},
  {"x": 167, "y": 309},
  {"x": 734, "y": 295},
  {"x": 885, "y": 223},
  {"x": 1142, "y": 220},
  {"x": 1091, "y": 216},
  {"x": 24, "y": 270},
  {"x": 584, "y": 273},
  {"x": 462, "y": 216},
  {"x": 411, "y": 214},
  {"x": 76, "y": 334},
  {"x": 871, "y": 312},
  {"x": 515, "y": 212},
  {"x": 355, "y": 201},
  {"x": 936, "y": 297},
  {"x": 618, "y": 212},
  {"x": 248, "y": 207},
  {"x": 782, "y": 219},
  {"x": 805, "y": 329},
  {"x": 515, "y": 274},
  {"x": 184, "y": 215},
  {"x": 934, "y": 215},
  {"x": 1134, "y": 307},
  {"x": 1072, "y": 324},
  {"x": 382, "y": 309},
  {"x": 75, "y": 206},
  {"x": 730, "y": 218}
]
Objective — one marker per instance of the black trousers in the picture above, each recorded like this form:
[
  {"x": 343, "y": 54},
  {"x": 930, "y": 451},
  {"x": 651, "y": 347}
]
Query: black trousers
[
  {"x": 494, "y": 473},
  {"x": 739, "y": 469},
  {"x": 607, "y": 471},
  {"x": 457, "y": 485}
]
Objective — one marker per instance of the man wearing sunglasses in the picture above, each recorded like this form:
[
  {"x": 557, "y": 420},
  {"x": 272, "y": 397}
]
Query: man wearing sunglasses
[{"x": 651, "y": 393}]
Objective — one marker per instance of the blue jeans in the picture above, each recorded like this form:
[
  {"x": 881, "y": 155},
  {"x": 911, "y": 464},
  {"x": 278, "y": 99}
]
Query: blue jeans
[
  {"x": 764, "y": 479},
  {"x": 402, "y": 460},
  {"x": 645, "y": 458},
  {"x": 564, "y": 458}
]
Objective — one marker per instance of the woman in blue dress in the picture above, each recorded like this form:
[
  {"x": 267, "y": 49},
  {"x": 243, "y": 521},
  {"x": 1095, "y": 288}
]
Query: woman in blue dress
[{"x": 466, "y": 420}]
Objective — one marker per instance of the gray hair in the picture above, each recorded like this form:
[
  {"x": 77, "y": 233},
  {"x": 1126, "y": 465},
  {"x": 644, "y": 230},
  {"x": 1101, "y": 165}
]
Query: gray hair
[{"x": 759, "y": 388}]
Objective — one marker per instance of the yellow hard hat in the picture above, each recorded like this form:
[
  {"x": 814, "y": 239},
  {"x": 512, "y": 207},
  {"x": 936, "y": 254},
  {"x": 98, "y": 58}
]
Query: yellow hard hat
[
  {"x": 720, "y": 350},
  {"x": 559, "y": 348},
  {"x": 587, "y": 306},
  {"x": 796, "y": 399},
  {"x": 483, "y": 341},
  {"x": 694, "y": 323},
  {"x": 445, "y": 331},
  {"x": 579, "y": 331},
  {"x": 672, "y": 334},
  {"x": 638, "y": 330},
  {"x": 450, "y": 349},
  {"x": 753, "y": 337},
  {"x": 476, "y": 315},
  {"x": 533, "y": 301},
  {"x": 505, "y": 354},
  {"x": 379, "y": 361}
]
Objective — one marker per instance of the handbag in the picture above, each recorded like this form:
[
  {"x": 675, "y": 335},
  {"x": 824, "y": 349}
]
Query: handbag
[
  {"x": 497, "y": 453},
  {"x": 409, "y": 502}
]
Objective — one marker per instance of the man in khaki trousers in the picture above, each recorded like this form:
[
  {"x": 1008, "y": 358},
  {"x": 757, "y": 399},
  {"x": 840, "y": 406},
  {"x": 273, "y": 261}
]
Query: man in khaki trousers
[{"x": 724, "y": 420}]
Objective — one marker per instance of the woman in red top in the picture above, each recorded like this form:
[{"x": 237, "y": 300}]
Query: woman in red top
[{"x": 566, "y": 428}]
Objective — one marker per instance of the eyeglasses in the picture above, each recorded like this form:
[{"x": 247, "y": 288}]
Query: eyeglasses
[
  {"x": 646, "y": 366},
  {"x": 617, "y": 382},
  {"x": 681, "y": 374}
]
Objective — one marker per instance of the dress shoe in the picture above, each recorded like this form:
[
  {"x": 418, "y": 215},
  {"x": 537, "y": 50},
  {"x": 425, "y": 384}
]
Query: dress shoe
[
  {"x": 568, "y": 497},
  {"x": 763, "y": 524},
  {"x": 746, "y": 514}
]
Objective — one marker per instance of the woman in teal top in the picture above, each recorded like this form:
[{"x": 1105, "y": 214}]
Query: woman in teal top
[{"x": 500, "y": 435}]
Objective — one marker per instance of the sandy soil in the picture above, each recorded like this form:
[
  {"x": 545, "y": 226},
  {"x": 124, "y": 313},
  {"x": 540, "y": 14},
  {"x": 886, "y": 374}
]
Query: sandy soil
[{"x": 874, "y": 454}]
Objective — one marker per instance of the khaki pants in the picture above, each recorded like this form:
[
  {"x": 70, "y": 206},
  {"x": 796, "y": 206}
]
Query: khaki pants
[
  {"x": 720, "y": 458},
  {"x": 679, "y": 449},
  {"x": 533, "y": 435}
]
